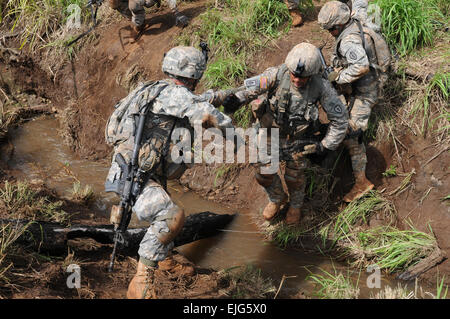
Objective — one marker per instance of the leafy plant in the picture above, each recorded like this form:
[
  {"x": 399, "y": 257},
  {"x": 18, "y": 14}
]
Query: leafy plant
[
  {"x": 407, "y": 24},
  {"x": 391, "y": 171}
]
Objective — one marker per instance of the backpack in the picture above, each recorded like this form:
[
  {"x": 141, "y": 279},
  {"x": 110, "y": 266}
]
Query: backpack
[
  {"x": 382, "y": 51},
  {"x": 122, "y": 123}
]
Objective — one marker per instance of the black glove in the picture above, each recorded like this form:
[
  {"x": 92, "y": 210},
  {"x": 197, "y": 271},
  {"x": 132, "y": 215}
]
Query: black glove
[
  {"x": 181, "y": 20},
  {"x": 231, "y": 103}
]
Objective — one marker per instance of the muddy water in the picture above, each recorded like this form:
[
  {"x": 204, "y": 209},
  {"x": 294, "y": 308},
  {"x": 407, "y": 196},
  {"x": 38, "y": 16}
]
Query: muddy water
[{"x": 39, "y": 153}]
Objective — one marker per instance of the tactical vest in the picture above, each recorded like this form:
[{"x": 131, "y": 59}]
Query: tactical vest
[
  {"x": 380, "y": 58},
  {"x": 292, "y": 113}
]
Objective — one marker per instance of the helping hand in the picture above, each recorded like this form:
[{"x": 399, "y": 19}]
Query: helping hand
[
  {"x": 333, "y": 76},
  {"x": 231, "y": 103}
]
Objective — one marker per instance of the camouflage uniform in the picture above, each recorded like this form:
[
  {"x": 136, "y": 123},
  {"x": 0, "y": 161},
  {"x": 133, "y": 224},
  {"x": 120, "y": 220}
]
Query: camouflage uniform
[
  {"x": 300, "y": 116},
  {"x": 135, "y": 11},
  {"x": 356, "y": 57},
  {"x": 174, "y": 107}
]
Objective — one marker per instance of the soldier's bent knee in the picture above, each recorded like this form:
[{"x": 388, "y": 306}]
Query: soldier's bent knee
[{"x": 175, "y": 221}]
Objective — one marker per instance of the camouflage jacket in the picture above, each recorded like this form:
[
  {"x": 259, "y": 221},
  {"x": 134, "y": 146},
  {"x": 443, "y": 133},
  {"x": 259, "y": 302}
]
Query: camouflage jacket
[
  {"x": 174, "y": 107},
  {"x": 353, "y": 56},
  {"x": 300, "y": 104}
]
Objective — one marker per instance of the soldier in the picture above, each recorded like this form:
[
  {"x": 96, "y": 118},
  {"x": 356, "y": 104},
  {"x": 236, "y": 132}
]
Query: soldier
[
  {"x": 355, "y": 59},
  {"x": 293, "y": 90},
  {"x": 297, "y": 19},
  {"x": 134, "y": 10},
  {"x": 173, "y": 106}
]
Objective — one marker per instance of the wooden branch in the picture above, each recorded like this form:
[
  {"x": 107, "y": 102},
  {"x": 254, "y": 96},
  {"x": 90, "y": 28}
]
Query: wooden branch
[{"x": 53, "y": 237}]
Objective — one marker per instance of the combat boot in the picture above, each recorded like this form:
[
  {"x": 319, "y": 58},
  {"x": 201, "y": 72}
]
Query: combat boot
[
  {"x": 177, "y": 265},
  {"x": 293, "y": 216},
  {"x": 272, "y": 209},
  {"x": 141, "y": 286},
  {"x": 297, "y": 19},
  {"x": 361, "y": 187}
]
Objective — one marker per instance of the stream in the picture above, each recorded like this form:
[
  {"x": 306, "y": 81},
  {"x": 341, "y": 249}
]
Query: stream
[{"x": 40, "y": 154}]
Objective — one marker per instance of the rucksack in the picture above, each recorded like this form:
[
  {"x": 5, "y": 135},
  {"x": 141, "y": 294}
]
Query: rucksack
[
  {"x": 122, "y": 123},
  {"x": 382, "y": 51}
]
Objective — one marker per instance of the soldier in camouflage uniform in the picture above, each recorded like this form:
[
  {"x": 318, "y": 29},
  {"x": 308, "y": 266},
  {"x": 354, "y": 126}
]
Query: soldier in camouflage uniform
[
  {"x": 355, "y": 61},
  {"x": 134, "y": 10},
  {"x": 288, "y": 98},
  {"x": 175, "y": 106},
  {"x": 292, "y": 5}
]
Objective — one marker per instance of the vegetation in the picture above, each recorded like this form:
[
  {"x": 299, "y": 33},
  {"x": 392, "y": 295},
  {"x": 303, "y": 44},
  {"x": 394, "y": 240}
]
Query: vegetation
[
  {"x": 248, "y": 282},
  {"x": 20, "y": 200},
  {"x": 408, "y": 24},
  {"x": 82, "y": 194},
  {"x": 234, "y": 33},
  {"x": 391, "y": 171},
  {"x": 40, "y": 19},
  {"x": 334, "y": 286}
]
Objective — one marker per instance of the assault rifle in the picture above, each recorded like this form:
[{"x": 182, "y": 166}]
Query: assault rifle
[
  {"x": 132, "y": 182},
  {"x": 326, "y": 69},
  {"x": 289, "y": 149},
  {"x": 90, "y": 4}
]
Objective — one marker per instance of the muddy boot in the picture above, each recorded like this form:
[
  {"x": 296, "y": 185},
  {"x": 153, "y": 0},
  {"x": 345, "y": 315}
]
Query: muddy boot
[
  {"x": 297, "y": 19},
  {"x": 141, "y": 286},
  {"x": 272, "y": 209},
  {"x": 293, "y": 216},
  {"x": 361, "y": 187},
  {"x": 177, "y": 265},
  {"x": 137, "y": 31}
]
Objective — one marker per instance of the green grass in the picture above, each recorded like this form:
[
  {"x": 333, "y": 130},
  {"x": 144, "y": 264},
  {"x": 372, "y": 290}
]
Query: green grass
[
  {"x": 334, "y": 286},
  {"x": 408, "y": 24},
  {"x": 355, "y": 214},
  {"x": 248, "y": 282},
  {"x": 82, "y": 194},
  {"x": 20, "y": 200},
  {"x": 433, "y": 108},
  {"x": 40, "y": 19},
  {"x": 391, "y": 171},
  {"x": 234, "y": 34},
  {"x": 396, "y": 250}
]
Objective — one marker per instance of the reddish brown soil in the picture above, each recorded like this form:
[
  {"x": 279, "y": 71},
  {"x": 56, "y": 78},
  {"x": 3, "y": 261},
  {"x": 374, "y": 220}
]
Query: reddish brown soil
[{"x": 97, "y": 79}]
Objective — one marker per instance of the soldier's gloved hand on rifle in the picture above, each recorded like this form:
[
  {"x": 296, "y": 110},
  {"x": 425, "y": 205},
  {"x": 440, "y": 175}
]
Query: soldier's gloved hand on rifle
[
  {"x": 333, "y": 76},
  {"x": 231, "y": 103},
  {"x": 316, "y": 148}
]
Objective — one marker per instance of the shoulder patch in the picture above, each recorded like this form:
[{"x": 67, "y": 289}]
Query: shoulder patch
[
  {"x": 352, "y": 55},
  {"x": 257, "y": 83}
]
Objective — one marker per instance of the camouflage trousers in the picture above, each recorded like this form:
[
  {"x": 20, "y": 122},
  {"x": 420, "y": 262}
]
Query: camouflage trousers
[
  {"x": 365, "y": 96},
  {"x": 357, "y": 152},
  {"x": 292, "y": 4},
  {"x": 152, "y": 205},
  {"x": 132, "y": 9},
  {"x": 294, "y": 177}
]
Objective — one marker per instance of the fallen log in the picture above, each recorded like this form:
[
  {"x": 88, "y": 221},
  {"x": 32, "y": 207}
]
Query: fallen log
[
  {"x": 52, "y": 237},
  {"x": 436, "y": 257}
]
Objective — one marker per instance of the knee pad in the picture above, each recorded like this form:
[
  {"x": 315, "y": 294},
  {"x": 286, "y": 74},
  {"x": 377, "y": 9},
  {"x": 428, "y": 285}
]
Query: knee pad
[{"x": 175, "y": 221}]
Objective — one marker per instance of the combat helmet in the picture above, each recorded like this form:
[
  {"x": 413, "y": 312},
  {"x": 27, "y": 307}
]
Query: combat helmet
[
  {"x": 187, "y": 62},
  {"x": 303, "y": 60},
  {"x": 333, "y": 13}
]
